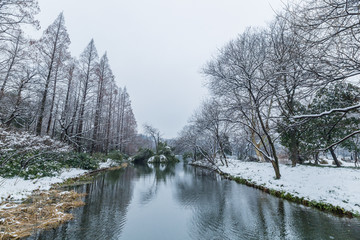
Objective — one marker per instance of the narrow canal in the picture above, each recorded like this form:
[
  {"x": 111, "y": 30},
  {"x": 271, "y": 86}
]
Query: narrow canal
[{"x": 178, "y": 201}]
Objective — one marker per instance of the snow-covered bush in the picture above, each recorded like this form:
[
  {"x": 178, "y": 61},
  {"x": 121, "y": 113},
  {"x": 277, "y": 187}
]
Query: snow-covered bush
[{"x": 29, "y": 156}]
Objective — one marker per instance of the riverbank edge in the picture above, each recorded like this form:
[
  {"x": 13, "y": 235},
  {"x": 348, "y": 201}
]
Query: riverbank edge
[
  {"x": 324, "y": 207},
  {"x": 84, "y": 178}
]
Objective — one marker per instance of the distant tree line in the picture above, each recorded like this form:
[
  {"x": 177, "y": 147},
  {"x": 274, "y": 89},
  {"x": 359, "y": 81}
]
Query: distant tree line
[
  {"x": 43, "y": 89},
  {"x": 292, "y": 85}
]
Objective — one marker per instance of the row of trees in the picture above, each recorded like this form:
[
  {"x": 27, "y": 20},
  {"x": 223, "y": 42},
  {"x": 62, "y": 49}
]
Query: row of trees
[
  {"x": 290, "y": 84},
  {"x": 45, "y": 90}
]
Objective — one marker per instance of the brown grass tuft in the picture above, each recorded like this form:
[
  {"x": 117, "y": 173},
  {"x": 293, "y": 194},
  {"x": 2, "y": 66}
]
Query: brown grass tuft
[{"x": 43, "y": 210}]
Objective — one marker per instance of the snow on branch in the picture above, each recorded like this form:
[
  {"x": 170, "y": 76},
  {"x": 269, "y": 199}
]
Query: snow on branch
[
  {"x": 341, "y": 140},
  {"x": 262, "y": 152},
  {"x": 347, "y": 109}
]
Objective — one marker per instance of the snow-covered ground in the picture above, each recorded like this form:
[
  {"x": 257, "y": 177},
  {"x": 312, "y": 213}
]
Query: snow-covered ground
[
  {"x": 18, "y": 188},
  {"x": 336, "y": 186}
]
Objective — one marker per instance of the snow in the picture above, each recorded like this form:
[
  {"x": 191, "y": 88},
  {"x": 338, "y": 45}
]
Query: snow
[
  {"x": 17, "y": 188},
  {"x": 12, "y": 140},
  {"x": 346, "y": 109},
  {"x": 336, "y": 186},
  {"x": 109, "y": 163}
]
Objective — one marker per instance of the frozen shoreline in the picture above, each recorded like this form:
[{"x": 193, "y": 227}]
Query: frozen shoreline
[{"x": 335, "y": 186}]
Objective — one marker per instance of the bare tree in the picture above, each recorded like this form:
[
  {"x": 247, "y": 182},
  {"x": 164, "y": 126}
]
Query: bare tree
[
  {"x": 88, "y": 64},
  {"x": 154, "y": 134},
  {"x": 104, "y": 76},
  {"x": 240, "y": 76},
  {"x": 52, "y": 48},
  {"x": 211, "y": 118}
]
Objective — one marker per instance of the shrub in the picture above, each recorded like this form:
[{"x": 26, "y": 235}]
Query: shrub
[
  {"x": 143, "y": 155},
  {"x": 32, "y": 164},
  {"x": 36, "y": 164},
  {"x": 81, "y": 160},
  {"x": 116, "y": 156},
  {"x": 101, "y": 157}
]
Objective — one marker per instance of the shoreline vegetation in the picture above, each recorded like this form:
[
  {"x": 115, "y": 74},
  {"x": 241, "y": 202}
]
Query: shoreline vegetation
[
  {"x": 46, "y": 209},
  {"x": 273, "y": 188}
]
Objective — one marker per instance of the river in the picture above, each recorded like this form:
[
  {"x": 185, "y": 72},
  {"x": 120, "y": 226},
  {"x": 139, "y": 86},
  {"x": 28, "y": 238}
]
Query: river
[{"x": 177, "y": 201}]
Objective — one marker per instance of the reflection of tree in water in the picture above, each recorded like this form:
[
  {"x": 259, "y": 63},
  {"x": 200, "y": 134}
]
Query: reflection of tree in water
[
  {"x": 217, "y": 209},
  {"x": 104, "y": 214},
  {"x": 223, "y": 209},
  {"x": 162, "y": 172}
]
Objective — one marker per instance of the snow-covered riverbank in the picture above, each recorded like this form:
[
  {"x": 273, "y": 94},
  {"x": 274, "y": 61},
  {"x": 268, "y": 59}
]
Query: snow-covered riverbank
[
  {"x": 17, "y": 188},
  {"x": 335, "y": 186}
]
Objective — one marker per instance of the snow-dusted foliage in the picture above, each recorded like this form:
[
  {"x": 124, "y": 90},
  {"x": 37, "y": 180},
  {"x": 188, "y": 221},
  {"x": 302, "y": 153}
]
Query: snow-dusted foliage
[{"x": 23, "y": 141}]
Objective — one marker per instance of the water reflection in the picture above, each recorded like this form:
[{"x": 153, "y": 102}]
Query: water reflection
[{"x": 176, "y": 201}]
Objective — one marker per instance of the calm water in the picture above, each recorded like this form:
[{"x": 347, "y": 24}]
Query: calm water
[{"x": 183, "y": 202}]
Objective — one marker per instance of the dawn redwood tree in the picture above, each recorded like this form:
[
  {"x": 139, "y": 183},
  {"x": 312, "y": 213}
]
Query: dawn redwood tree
[
  {"x": 88, "y": 63},
  {"x": 17, "y": 62},
  {"x": 59, "y": 74},
  {"x": 66, "y": 122},
  {"x": 104, "y": 78},
  {"x": 126, "y": 126},
  {"x": 15, "y": 53},
  {"x": 53, "y": 47}
]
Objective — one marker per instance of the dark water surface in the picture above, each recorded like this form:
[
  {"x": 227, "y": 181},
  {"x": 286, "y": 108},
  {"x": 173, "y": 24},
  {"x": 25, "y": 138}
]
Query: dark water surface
[{"x": 183, "y": 202}]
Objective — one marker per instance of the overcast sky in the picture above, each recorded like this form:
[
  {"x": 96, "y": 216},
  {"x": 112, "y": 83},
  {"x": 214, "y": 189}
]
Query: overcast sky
[{"x": 157, "y": 48}]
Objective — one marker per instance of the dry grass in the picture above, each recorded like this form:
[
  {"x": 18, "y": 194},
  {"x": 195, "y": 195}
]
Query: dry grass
[
  {"x": 123, "y": 165},
  {"x": 43, "y": 210}
]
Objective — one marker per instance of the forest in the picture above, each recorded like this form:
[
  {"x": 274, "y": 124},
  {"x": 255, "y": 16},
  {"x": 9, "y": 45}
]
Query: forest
[{"x": 46, "y": 91}]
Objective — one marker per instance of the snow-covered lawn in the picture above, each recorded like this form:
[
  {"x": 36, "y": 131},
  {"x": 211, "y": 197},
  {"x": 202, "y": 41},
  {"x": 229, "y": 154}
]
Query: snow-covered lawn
[
  {"x": 336, "y": 186},
  {"x": 17, "y": 188}
]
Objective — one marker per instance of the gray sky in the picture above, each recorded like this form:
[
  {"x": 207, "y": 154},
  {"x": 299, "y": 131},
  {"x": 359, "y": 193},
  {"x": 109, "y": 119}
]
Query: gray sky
[{"x": 157, "y": 48}]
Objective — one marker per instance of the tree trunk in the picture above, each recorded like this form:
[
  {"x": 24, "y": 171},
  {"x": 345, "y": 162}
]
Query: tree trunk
[
  {"x": 52, "y": 100},
  {"x": 64, "y": 114},
  {"x": 108, "y": 125},
  {"x": 317, "y": 158},
  {"x": 294, "y": 151},
  {"x": 94, "y": 146},
  {"x": 17, "y": 104},
  {"x": 334, "y": 157},
  {"x": 356, "y": 158}
]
